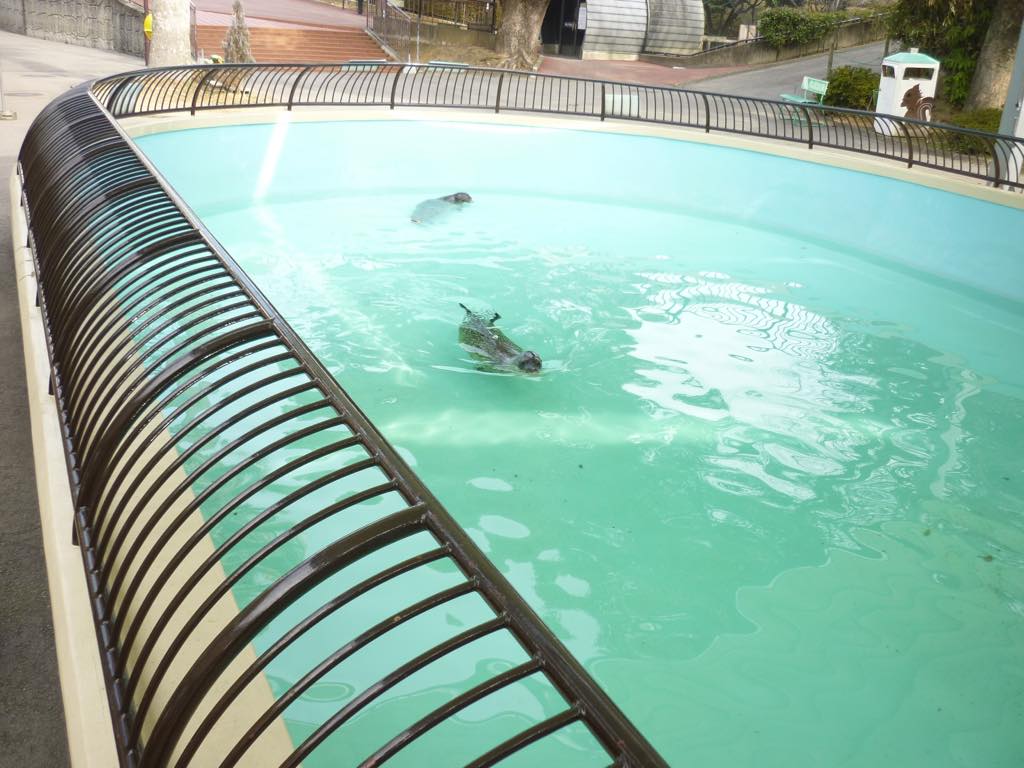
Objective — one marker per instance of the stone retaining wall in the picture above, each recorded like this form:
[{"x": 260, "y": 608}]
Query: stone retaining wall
[
  {"x": 108, "y": 24},
  {"x": 12, "y": 16},
  {"x": 447, "y": 33},
  {"x": 759, "y": 52}
]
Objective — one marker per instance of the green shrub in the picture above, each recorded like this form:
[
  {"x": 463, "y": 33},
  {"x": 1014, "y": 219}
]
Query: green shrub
[
  {"x": 955, "y": 80},
  {"x": 782, "y": 27},
  {"x": 979, "y": 120},
  {"x": 852, "y": 87}
]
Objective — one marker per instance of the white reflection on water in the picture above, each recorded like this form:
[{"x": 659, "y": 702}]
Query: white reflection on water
[
  {"x": 797, "y": 414},
  {"x": 717, "y": 348}
]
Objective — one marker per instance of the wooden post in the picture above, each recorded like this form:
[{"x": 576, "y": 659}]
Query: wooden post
[{"x": 145, "y": 48}]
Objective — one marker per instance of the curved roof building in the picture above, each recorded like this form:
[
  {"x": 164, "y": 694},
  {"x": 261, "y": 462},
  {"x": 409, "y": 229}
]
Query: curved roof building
[
  {"x": 622, "y": 29},
  {"x": 674, "y": 26}
]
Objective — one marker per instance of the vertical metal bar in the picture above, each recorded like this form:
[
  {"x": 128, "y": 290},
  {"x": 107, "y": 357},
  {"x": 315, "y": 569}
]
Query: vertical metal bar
[
  {"x": 116, "y": 92},
  {"x": 291, "y": 94},
  {"x": 910, "y": 143},
  {"x": 997, "y": 174},
  {"x": 199, "y": 87},
  {"x": 394, "y": 85}
]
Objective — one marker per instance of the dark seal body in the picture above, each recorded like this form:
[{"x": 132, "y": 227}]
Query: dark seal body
[
  {"x": 480, "y": 337},
  {"x": 429, "y": 210}
]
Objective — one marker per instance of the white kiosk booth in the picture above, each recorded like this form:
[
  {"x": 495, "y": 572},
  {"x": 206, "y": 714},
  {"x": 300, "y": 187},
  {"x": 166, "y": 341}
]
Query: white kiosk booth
[{"x": 906, "y": 88}]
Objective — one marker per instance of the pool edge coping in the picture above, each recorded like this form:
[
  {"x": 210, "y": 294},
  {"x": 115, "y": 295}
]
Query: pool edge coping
[{"x": 88, "y": 725}]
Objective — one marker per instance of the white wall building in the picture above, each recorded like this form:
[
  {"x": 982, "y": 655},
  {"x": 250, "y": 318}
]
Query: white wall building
[{"x": 622, "y": 29}]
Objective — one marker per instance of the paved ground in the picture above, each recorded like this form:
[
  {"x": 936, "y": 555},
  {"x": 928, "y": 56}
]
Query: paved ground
[
  {"x": 32, "y": 721},
  {"x": 630, "y": 71},
  {"x": 769, "y": 82},
  {"x": 294, "y": 11},
  {"x": 215, "y": 19},
  {"x": 762, "y": 82}
]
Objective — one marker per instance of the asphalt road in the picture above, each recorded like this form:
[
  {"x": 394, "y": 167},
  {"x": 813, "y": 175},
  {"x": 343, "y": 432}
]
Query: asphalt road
[
  {"x": 770, "y": 82},
  {"x": 32, "y": 722}
]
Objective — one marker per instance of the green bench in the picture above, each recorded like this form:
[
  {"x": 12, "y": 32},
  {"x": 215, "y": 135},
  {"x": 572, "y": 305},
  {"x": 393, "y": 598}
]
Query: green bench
[{"x": 812, "y": 92}]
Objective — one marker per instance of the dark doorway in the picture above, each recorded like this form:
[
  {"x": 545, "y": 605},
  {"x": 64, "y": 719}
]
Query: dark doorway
[{"x": 564, "y": 27}]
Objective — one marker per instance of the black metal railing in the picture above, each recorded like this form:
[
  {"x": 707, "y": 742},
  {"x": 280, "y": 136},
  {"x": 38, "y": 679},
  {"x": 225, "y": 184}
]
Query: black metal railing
[
  {"x": 399, "y": 32},
  {"x": 996, "y": 159},
  {"x": 195, "y": 420}
]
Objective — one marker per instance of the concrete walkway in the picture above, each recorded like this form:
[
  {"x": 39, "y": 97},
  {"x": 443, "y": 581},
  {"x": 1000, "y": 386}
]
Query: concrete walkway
[
  {"x": 642, "y": 72},
  {"x": 214, "y": 19},
  {"x": 301, "y": 12},
  {"x": 760, "y": 82},
  {"x": 32, "y": 723}
]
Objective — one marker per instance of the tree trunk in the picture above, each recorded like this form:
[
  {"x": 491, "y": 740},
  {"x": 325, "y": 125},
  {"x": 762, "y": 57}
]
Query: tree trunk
[
  {"x": 171, "y": 42},
  {"x": 991, "y": 78},
  {"x": 519, "y": 34}
]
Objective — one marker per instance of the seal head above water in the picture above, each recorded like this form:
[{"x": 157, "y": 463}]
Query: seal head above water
[
  {"x": 431, "y": 209},
  {"x": 480, "y": 337}
]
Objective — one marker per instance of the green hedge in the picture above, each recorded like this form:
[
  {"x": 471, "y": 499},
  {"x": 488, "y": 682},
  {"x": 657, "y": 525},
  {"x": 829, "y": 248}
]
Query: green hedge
[
  {"x": 980, "y": 120},
  {"x": 782, "y": 27},
  {"x": 852, "y": 87}
]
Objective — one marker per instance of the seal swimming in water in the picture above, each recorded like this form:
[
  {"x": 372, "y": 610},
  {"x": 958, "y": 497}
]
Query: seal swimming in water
[
  {"x": 480, "y": 337},
  {"x": 429, "y": 210}
]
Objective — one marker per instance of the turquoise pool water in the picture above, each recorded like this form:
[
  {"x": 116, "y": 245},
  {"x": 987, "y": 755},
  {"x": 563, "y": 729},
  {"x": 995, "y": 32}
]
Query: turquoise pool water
[{"x": 768, "y": 487}]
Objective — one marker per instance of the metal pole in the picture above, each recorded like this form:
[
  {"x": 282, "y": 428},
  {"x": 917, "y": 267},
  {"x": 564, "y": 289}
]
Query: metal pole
[
  {"x": 145, "y": 49},
  {"x": 5, "y": 113},
  {"x": 1015, "y": 95},
  {"x": 575, "y": 21}
]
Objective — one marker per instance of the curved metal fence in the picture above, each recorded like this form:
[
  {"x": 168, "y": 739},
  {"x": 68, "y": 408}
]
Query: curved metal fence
[
  {"x": 223, "y": 480},
  {"x": 996, "y": 159}
]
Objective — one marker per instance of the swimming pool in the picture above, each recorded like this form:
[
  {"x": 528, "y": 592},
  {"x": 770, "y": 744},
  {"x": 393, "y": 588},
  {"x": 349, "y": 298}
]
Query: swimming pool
[{"x": 766, "y": 488}]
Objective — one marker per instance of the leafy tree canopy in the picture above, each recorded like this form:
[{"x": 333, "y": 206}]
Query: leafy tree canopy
[
  {"x": 951, "y": 30},
  {"x": 723, "y": 17}
]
